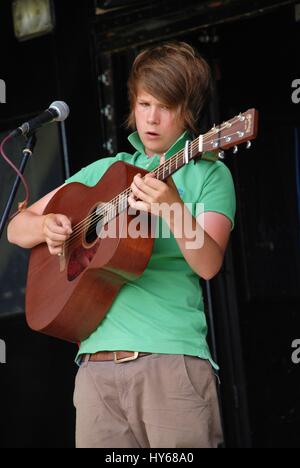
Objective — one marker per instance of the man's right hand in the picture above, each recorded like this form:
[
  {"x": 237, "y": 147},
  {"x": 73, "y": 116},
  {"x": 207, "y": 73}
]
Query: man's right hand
[{"x": 57, "y": 229}]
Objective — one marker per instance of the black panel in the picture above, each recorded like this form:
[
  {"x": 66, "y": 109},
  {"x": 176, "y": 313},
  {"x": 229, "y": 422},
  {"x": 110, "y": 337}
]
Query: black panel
[
  {"x": 36, "y": 389},
  {"x": 257, "y": 70},
  {"x": 148, "y": 22},
  {"x": 266, "y": 177},
  {"x": 116, "y": 3},
  {"x": 267, "y": 193}
]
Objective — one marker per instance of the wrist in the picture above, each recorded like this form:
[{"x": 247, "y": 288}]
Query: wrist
[{"x": 43, "y": 227}]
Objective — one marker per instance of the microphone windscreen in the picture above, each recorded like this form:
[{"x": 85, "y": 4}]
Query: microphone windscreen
[{"x": 62, "y": 108}]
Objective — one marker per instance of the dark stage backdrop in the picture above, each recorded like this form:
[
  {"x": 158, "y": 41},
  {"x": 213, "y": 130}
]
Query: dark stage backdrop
[
  {"x": 36, "y": 383},
  {"x": 258, "y": 70},
  {"x": 43, "y": 173}
]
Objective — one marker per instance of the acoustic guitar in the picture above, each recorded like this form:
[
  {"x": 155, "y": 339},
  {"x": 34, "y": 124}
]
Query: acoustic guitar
[{"x": 68, "y": 296}]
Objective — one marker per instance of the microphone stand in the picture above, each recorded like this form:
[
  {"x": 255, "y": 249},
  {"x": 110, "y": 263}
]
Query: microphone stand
[{"x": 27, "y": 152}]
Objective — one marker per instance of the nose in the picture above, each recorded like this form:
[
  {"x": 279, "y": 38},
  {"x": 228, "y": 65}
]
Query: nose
[{"x": 153, "y": 115}]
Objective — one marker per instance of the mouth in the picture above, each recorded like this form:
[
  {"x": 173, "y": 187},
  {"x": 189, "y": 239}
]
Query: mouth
[{"x": 153, "y": 134}]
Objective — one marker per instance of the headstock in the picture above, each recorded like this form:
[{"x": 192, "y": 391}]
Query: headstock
[{"x": 241, "y": 129}]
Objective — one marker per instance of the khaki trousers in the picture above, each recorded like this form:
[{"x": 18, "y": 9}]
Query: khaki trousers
[{"x": 155, "y": 401}]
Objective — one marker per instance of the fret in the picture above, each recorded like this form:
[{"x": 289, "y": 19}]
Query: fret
[
  {"x": 200, "y": 146},
  {"x": 187, "y": 152}
]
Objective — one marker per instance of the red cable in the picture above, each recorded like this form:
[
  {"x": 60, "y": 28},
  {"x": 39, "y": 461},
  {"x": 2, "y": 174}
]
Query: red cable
[{"x": 22, "y": 205}]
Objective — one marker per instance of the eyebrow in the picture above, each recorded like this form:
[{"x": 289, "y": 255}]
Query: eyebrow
[{"x": 145, "y": 100}]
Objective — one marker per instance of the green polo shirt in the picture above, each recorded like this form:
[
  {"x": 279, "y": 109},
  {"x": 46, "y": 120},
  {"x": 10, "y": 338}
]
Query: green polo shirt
[{"x": 163, "y": 311}]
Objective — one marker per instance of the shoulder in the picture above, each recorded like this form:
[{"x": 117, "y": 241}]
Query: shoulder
[
  {"x": 211, "y": 167},
  {"x": 214, "y": 172},
  {"x": 91, "y": 174},
  {"x": 208, "y": 172}
]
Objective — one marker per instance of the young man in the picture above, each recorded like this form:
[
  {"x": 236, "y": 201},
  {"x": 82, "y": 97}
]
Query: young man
[{"x": 165, "y": 394}]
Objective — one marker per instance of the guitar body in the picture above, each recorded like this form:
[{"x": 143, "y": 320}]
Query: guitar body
[{"x": 67, "y": 297}]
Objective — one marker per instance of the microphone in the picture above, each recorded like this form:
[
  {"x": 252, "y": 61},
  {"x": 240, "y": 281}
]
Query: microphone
[{"x": 57, "y": 112}]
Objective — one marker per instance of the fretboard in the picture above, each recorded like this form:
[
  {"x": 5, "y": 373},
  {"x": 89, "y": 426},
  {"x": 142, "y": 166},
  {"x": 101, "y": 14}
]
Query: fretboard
[{"x": 162, "y": 172}]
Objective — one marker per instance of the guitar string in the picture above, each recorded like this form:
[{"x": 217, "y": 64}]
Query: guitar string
[{"x": 123, "y": 196}]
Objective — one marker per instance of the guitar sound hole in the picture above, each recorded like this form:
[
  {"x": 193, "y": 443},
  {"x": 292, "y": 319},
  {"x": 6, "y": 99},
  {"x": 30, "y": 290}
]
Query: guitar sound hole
[
  {"x": 82, "y": 255},
  {"x": 80, "y": 260},
  {"x": 94, "y": 227}
]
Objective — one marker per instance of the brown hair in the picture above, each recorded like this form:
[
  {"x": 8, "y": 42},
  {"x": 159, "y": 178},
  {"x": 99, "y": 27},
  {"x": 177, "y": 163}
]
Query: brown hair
[{"x": 175, "y": 74}]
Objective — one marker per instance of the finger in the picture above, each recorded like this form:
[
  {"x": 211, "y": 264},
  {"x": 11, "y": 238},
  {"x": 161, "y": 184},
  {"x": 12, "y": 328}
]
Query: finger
[
  {"x": 54, "y": 244},
  {"x": 152, "y": 181},
  {"x": 139, "y": 205},
  {"x": 59, "y": 224},
  {"x": 144, "y": 193},
  {"x": 149, "y": 186},
  {"x": 55, "y": 250},
  {"x": 53, "y": 229},
  {"x": 64, "y": 222},
  {"x": 56, "y": 237}
]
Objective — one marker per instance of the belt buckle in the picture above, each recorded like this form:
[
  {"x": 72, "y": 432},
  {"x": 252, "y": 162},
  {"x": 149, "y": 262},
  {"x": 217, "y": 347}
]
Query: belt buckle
[{"x": 130, "y": 358}]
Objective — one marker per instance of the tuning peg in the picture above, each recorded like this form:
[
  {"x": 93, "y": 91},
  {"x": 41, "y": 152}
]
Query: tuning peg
[
  {"x": 235, "y": 150},
  {"x": 221, "y": 154},
  {"x": 249, "y": 144}
]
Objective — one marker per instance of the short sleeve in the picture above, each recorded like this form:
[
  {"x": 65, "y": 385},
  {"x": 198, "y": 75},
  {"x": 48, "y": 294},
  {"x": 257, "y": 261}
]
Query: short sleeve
[{"x": 218, "y": 192}]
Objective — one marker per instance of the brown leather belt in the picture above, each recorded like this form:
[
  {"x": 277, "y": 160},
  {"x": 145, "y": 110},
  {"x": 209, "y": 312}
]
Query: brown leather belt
[{"x": 116, "y": 356}]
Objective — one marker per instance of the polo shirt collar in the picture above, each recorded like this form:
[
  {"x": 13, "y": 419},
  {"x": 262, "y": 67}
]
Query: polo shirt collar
[{"x": 179, "y": 144}]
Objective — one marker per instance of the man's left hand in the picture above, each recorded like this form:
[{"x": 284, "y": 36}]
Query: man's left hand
[{"x": 151, "y": 193}]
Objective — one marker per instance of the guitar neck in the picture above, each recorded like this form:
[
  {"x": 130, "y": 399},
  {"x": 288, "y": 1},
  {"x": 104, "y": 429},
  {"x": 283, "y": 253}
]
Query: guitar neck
[
  {"x": 192, "y": 151},
  {"x": 240, "y": 129}
]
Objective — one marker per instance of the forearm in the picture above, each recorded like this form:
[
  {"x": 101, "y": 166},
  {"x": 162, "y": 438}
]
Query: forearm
[
  {"x": 201, "y": 252},
  {"x": 26, "y": 230}
]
